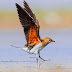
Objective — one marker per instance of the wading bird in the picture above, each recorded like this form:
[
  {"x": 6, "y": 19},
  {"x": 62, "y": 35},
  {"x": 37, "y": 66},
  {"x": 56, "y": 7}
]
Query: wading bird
[{"x": 31, "y": 29}]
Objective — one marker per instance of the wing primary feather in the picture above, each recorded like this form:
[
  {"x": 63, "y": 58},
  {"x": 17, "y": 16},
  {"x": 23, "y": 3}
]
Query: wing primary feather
[
  {"x": 18, "y": 6},
  {"x": 28, "y": 8}
]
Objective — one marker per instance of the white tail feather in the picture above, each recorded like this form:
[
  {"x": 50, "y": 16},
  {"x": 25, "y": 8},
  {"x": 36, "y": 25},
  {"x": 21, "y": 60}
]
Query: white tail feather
[{"x": 25, "y": 49}]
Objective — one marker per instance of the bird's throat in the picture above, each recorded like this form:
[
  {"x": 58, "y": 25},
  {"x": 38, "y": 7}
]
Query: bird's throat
[{"x": 44, "y": 43}]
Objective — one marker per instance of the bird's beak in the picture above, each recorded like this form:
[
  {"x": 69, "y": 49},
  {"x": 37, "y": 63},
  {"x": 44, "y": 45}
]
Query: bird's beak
[{"x": 53, "y": 41}]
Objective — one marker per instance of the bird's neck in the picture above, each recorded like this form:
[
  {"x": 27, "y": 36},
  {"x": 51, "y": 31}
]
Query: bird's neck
[{"x": 44, "y": 43}]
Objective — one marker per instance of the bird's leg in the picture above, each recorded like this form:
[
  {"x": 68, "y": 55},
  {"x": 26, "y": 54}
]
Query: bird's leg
[
  {"x": 41, "y": 58},
  {"x": 37, "y": 58}
]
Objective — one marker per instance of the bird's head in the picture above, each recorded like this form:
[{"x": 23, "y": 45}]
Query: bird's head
[{"x": 48, "y": 40}]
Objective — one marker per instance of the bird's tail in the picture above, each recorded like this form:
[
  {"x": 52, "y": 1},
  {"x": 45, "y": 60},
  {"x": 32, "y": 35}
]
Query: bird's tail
[
  {"x": 15, "y": 46},
  {"x": 25, "y": 49}
]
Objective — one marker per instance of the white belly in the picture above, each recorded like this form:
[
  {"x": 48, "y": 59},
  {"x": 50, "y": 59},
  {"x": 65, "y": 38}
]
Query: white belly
[{"x": 34, "y": 50}]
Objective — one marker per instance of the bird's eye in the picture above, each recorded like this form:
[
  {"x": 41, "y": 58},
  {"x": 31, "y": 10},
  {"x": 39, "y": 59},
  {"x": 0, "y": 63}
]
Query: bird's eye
[{"x": 49, "y": 40}]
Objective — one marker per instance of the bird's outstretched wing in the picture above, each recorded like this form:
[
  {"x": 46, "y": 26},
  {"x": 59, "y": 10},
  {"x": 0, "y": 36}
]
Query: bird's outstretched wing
[
  {"x": 30, "y": 25},
  {"x": 27, "y": 8}
]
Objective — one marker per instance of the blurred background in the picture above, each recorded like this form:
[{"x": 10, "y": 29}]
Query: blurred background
[
  {"x": 55, "y": 18},
  {"x": 50, "y": 13}
]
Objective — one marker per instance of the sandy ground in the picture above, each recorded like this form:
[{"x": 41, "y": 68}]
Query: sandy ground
[
  {"x": 40, "y": 70},
  {"x": 59, "y": 53},
  {"x": 24, "y": 67}
]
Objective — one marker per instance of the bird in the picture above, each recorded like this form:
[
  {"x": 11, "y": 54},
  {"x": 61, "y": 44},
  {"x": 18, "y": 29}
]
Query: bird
[{"x": 31, "y": 29}]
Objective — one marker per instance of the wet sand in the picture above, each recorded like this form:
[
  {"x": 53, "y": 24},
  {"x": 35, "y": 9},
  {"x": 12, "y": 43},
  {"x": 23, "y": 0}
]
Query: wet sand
[
  {"x": 24, "y": 67},
  {"x": 58, "y": 54},
  {"x": 41, "y": 70}
]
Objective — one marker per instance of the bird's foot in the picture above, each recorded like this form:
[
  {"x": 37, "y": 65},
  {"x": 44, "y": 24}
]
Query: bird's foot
[{"x": 42, "y": 58}]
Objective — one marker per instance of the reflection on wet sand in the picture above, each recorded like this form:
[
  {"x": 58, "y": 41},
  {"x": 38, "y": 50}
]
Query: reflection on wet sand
[{"x": 22, "y": 67}]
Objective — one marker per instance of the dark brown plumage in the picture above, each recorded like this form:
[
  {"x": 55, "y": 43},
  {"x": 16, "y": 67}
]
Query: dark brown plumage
[{"x": 30, "y": 25}]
